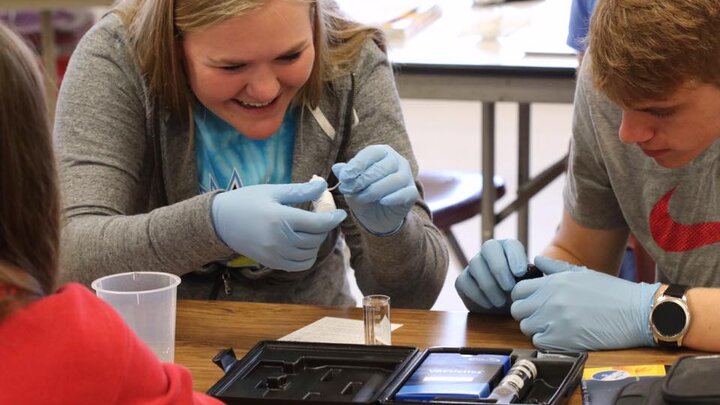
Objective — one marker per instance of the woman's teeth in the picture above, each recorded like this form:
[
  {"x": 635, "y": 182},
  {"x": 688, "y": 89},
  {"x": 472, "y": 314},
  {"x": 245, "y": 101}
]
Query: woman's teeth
[{"x": 254, "y": 105}]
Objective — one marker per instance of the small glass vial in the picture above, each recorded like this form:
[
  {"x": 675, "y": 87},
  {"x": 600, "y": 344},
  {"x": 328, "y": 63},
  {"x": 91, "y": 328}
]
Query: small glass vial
[
  {"x": 515, "y": 383},
  {"x": 376, "y": 315}
]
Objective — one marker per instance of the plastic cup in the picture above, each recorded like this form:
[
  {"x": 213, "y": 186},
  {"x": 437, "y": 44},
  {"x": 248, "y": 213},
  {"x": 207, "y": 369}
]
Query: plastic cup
[{"x": 146, "y": 301}]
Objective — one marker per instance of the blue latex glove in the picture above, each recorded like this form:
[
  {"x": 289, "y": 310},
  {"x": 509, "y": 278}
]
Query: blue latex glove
[
  {"x": 256, "y": 222},
  {"x": 379, "y": 188},
  {"x": 485, "y": 284},
  {"x": 574, "y": 308}
]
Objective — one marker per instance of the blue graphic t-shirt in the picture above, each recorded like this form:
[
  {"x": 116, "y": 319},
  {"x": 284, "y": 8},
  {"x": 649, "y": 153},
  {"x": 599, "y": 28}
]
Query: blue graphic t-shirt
[{"x": 227, "y": 159}]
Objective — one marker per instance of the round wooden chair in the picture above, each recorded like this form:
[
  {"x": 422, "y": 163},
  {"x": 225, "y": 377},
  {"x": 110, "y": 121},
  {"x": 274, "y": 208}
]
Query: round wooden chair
[{"x": 453, "y": 197}]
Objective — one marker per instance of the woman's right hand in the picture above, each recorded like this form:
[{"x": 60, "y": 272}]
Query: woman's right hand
[{"x": 256, "y": 221}]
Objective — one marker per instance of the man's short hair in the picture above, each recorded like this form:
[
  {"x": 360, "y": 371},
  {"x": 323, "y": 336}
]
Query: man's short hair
[{"x": 648, "y": 49}]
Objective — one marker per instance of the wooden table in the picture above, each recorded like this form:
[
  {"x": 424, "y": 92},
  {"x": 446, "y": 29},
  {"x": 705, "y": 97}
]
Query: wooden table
[{"x": 206, "y": 327}]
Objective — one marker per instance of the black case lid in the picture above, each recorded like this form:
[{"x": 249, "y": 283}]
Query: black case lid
[{"x": 693, "y": 380}]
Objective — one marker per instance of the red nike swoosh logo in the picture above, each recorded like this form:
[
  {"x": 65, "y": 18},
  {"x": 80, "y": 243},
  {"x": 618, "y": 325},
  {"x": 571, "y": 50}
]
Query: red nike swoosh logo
[{"x": 672, "y": 236}]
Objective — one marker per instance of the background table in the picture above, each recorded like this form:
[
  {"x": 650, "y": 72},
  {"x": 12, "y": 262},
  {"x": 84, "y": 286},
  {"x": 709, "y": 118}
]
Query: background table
[
  {"x": 528, "y": 63},
  {"x": 47, "y": 34},
  {"x": 206, "y": 327}
]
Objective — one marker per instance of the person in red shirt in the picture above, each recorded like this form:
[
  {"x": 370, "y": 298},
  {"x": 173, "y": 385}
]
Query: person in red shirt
[{"x": 57, "y": 346}]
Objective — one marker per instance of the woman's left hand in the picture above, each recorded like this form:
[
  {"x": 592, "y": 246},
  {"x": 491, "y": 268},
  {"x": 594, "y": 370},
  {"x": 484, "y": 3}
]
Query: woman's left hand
[{"x": 379, "y": 187}]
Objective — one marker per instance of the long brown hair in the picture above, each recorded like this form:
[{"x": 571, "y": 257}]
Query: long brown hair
[
  {"x": 29, "y": 199},
  {"x": 155, "y": 28}
]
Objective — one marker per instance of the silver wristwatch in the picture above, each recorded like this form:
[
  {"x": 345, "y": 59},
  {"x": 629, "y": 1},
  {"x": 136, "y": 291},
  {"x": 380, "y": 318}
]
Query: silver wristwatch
[{"x": 670, "y": 316}]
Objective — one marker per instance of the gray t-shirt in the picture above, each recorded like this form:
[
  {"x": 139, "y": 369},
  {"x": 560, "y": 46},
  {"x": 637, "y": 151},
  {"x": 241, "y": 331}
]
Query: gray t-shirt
[{"x": 674, "y": 213}]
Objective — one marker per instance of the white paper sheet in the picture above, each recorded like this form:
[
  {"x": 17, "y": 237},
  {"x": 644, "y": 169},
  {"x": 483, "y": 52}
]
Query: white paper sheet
[{"x": 332, "y": 330}]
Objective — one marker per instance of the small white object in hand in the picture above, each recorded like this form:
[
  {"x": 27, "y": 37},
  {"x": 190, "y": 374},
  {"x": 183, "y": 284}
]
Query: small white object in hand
[{"x": 325, "y": 203}]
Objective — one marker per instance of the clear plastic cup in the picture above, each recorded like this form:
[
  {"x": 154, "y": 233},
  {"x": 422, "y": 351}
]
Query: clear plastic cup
[{"x": 146, "y": 301}]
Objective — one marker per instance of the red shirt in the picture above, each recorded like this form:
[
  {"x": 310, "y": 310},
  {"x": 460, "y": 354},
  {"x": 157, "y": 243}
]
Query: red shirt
[{"x": 73, "y": 348}]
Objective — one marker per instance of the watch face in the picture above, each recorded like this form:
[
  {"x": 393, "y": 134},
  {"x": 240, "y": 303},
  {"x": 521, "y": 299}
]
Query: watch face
[{"x": 668, "y": 318}]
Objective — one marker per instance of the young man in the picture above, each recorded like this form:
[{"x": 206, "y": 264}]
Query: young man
[{"x": 644, "y": 159}]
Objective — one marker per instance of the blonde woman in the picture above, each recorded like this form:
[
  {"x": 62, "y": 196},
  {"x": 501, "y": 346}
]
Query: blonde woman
[
  {"x": 190, "y": 129},
  {"x": 65, "y": 346}
]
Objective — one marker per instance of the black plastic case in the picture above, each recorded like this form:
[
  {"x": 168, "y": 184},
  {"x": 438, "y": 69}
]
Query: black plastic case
[
  {"x": 693, "y": 380},
  {"x": 280, "y": 372}
]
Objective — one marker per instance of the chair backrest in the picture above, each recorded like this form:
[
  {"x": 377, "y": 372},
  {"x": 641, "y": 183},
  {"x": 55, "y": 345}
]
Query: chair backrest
[{"x": 454, "y": 196}]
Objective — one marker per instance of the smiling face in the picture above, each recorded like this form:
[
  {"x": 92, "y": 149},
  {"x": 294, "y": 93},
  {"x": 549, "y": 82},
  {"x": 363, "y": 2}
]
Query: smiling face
[
  {"x": 247, "y": 69},
  {"x": 676, "y": 130}
]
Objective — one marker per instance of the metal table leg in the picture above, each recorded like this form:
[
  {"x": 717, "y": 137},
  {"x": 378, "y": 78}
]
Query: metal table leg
[
  {"x": 49, "y": 61},
  {"x": 488, "y": 170},
  {"x": 523, "y": 212}
]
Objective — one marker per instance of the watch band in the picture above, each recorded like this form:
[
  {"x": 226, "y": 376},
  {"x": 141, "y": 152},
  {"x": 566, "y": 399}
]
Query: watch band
[
  {"x": 667, "y": 345},
  {"x": 676, "y": 291}
]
